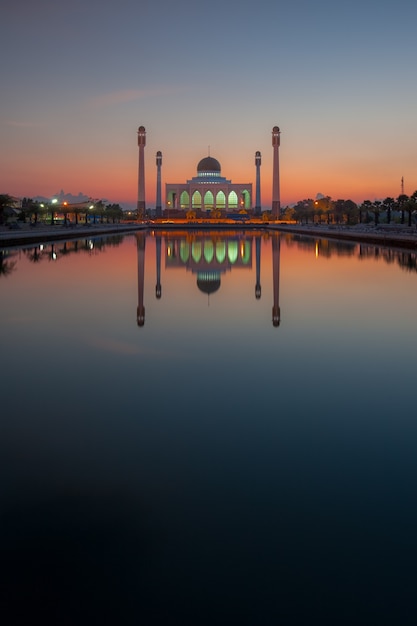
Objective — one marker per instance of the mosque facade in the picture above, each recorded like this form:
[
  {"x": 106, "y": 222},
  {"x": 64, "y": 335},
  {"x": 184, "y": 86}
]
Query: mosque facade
[{"x": 208, "y": 191}]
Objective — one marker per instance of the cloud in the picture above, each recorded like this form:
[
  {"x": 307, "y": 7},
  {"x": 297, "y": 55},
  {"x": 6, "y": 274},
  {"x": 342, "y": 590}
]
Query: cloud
[
  {"x": 130, "y": 95},
  {"x": 16, "y": 124}
]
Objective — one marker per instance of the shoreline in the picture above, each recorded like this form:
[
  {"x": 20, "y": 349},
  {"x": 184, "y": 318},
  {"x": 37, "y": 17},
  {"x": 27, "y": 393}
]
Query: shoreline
[{"x": 387, "y": 235}]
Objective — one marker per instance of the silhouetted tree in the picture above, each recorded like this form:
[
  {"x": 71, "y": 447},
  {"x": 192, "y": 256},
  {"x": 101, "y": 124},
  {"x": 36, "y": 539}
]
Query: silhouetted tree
[{"x": 388, "y": 204}]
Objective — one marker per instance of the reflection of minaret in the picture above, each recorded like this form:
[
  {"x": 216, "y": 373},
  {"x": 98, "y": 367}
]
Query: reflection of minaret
[
  {"x": 276, "y": 201},
  {"x": 276, "y": 312},
  {"x": 158, "y": 184},
  {"x": 258, "y": 183},
  {"x": 158, "y": 290},
  {"x": 140, "y": 239},
  {"x": 141, "y": 172},
  {"x": 258, "y": 267}
]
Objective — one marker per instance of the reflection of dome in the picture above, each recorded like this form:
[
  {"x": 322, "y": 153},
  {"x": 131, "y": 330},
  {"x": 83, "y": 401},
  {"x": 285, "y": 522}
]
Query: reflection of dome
[
  {"x": 208, "y": 282},
  {"x": 208, "y": 164}
]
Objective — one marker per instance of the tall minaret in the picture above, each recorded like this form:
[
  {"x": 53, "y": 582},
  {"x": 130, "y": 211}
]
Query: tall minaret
[
  {"x": 141, "y": 172},
  {"x": 140, "y": 242},
  {"x": 158, "y": 184},
  {"x": 258, "y": 183},
  {"x": 276, "y": 201},
  {"x": 276, "y": 311}
]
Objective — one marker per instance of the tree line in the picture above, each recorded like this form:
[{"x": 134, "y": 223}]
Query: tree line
[
  {"x": 35, "y": 211},
  {"x": 326, "y": 210}
]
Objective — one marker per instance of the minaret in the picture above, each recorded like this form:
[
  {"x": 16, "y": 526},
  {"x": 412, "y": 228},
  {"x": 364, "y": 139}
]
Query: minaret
[
  {"x": 276, "y": 201},
  {"x": 141, "y": 172},
  {"x": 258, "y": 267},
  {"x": 276, "y": 311},
  {"x": 158, "y": 184},
  {"x": 158, "y": 288},
  {"x": 258, "y": 183},
  {"x": 140, "y": 240}
]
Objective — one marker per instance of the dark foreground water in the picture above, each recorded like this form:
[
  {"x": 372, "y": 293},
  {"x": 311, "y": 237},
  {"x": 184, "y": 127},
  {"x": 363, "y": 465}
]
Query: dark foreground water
[{"x": 208, "y": 430}]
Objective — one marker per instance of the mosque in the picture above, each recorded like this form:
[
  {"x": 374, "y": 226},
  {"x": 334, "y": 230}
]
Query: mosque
[{"x": 209, "y": 192}]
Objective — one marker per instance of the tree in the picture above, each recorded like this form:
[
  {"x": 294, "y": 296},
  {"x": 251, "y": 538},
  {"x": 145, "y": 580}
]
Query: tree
[
  {"x": 6, "y": 202},
  {"x": 410, "y": 206},
  {"x": 401, "y": 200},
  {"x": 367, "y": 206},
  {"x": 303, "y": 210},
  {"x": 376, "y": 207},
  {"x": 388, "y": 204}
]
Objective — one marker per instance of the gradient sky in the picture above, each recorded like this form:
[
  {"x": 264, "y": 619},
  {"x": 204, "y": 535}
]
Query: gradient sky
[{"x": 79, "y": 77}]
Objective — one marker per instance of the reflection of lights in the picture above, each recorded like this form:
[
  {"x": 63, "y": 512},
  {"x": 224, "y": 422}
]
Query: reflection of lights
[
  {"x": 41, "y": 247},
  {"x": 169, "y": 251},
  {"x": 317, "y": 249},
  {"x": 90, "y": 244},
  {"x": 53, "y": 256}
]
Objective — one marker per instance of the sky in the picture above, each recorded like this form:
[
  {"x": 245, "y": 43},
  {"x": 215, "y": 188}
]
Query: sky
[{"x": 79, "y": 77}]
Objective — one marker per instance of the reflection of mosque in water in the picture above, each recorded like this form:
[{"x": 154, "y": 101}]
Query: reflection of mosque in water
[{"x": 208, "y": 256}]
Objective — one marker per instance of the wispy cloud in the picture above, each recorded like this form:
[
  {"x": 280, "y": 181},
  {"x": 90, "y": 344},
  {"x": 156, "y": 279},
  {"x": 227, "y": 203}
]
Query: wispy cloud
[
  {"x": 131, "y": 95},
  {"x": 17, "y": 124}
]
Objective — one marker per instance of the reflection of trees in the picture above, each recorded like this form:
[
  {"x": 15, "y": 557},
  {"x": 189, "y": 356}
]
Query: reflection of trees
[
  {"x": 6, "y": 265},
  {"x": 34, "y": 254},
  {"x": 56, "y": 250},
  {"x": 326, "y": 247},
  {"x": 406, "y": 259}
]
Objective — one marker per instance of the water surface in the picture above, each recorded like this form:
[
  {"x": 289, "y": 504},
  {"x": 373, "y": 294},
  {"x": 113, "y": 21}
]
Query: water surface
[{"x": 208, "y": 429}]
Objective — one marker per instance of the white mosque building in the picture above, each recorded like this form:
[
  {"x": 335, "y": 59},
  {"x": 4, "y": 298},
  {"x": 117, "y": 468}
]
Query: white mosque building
[{"x": 209, "y": 191}]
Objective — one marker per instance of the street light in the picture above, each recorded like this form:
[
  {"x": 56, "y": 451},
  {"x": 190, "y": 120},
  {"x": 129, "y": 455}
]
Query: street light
[{"x": 53, "y": 201}]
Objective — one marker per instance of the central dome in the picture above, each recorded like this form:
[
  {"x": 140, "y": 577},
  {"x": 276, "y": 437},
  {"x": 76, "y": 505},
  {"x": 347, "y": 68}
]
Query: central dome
[{"x": 208, "y": 164}]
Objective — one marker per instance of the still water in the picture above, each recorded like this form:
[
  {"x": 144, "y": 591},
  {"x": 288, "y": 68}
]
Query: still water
[{"x": 208, "y": 429}]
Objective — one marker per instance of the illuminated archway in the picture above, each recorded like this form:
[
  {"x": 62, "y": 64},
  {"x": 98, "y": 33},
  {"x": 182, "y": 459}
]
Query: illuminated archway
[
  {"x": 196, "y": 200},
  {"x": 233, "y": 200},
  {"x": 185, "y": 200},
  {"x": 208, "y": 200},
  {"x": 221, "y": 200}
]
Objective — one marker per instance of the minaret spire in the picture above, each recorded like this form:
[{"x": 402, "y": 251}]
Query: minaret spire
[
  {"x": 158, "y": 184},
  {"x": 276, "y": 200},
  {"x": 258, "y": 183},
  {"x": 141, "y": 172}
]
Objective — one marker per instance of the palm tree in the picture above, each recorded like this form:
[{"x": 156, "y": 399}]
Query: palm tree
[
  {"x": 410, "y": 206},
  {"x": 376, "y": 209},
  {"x": 401, "y": 200},
  {"x": 367, "y": 206},
  {"x": 5, "y": 202},
  {"x": 388, "y": 204}
]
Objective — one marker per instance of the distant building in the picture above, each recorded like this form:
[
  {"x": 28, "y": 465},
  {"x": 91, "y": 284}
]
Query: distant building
[{"x": 208, "y": 191}]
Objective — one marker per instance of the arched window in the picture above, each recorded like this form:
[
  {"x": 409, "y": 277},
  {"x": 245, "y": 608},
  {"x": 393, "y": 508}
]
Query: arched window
[
  {"x": 233, "y": 200},
  {"x": 246, "y": 199},
  {"x": 208, "y": 200},
  {"x": 220, "y": 200},
  {"x": 185, "y": 200},
  {"x": 196, "y": 200}
]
